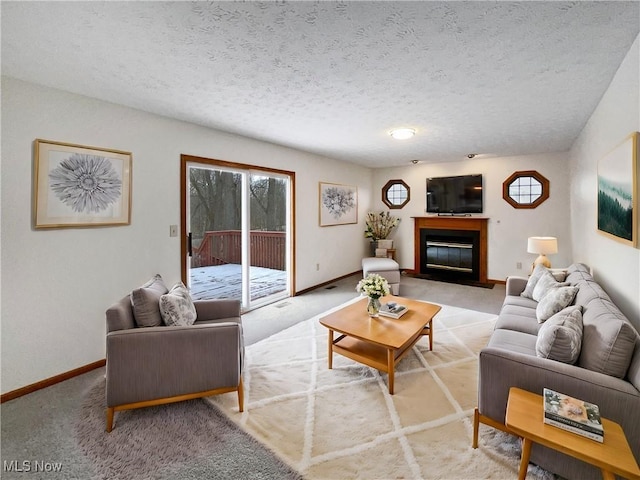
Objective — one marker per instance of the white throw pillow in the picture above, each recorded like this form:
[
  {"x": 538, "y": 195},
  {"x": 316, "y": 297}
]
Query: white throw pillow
[
  {"x": 560, "y": 337},
  {"x": 546, "y": 282},
  {"x": 176, "y": 307},
  {"x": 538, "y": 271},
  {"x": 554, "y": 301}
]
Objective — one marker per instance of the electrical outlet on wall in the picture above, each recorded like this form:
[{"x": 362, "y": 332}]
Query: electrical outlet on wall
[
  {"x": 317, "y": 267},
  {"x": 519, "y": 265}
]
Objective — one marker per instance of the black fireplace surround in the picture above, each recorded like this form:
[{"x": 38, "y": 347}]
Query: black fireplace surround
[{"x": 450, "y": 254}]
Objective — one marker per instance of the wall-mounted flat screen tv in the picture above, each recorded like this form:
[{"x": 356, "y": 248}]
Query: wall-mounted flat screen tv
[{"x": 454, "y": 195}]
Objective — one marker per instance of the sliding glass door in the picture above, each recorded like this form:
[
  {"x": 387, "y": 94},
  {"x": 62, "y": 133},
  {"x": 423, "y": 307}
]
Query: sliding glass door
[
  {"x": 268, "y": 227},
  {"x": 237, "y": 231}
]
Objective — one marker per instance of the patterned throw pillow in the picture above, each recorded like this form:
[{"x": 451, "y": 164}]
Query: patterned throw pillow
[
  {"x": 554, "y": 301},
  {"x": 144, "y": 301},
  {"x": 560, "y": 274},
  {"x": 546, "y": 282},
  {"x": 176, "y": 307},
  {"x": 533, "y": 280},
  {"x": 560, "y": 337}
]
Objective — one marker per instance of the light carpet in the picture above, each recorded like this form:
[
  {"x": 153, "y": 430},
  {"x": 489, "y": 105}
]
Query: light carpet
[{"x": 343, "y": 424}]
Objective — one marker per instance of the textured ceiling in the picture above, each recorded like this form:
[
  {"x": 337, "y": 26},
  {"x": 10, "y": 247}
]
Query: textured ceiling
[{"x": 495, "y": 78}]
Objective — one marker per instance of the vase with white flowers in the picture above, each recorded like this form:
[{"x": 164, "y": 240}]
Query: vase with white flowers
[{"x": 373, "y": 286}]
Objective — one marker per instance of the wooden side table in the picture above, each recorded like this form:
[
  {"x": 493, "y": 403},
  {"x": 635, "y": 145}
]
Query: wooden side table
[{"x": 525, "y": 419}]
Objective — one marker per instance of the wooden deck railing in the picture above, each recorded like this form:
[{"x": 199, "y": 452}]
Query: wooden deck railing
[{"x": 267, "y": 249}]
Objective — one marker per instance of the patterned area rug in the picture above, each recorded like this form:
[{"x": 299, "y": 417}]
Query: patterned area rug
[{"x": 343, "y": 424}]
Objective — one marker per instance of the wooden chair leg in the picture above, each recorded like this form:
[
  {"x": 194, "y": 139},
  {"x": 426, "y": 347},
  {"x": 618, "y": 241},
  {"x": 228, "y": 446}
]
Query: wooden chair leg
[
  {"x": 110, "y": 412},
  {"x": 241, "y": 396},
  {"x": 476, "y": 425}
]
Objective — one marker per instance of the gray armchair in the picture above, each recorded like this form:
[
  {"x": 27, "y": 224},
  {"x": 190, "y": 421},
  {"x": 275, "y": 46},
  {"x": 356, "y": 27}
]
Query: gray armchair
[{"x": 149, "y": 366}]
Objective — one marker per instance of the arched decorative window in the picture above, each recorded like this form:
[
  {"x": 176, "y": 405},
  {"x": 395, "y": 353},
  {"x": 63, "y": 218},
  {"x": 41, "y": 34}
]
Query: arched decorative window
[
  {"x": 525, "y": 189},
  {"x": 395, "y": 194}
]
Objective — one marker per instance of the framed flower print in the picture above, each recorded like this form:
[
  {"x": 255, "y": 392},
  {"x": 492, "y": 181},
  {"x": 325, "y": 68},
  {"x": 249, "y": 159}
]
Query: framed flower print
[
  {"x": 338, "y": 204},
  {"x": 80, "y": 186}
]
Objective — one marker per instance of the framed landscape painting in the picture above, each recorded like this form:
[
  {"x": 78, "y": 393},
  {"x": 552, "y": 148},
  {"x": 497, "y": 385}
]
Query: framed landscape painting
[
  {"x": 618, "y": 192},
  {"x": 338, "y": 204},
  {"x": 80, "y": 186}
]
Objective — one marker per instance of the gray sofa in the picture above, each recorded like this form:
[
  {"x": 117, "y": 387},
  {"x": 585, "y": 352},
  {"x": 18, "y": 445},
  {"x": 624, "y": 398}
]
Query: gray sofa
[
  {"x": 152, "y": 365},
  {"x": 607, "y": 371}
]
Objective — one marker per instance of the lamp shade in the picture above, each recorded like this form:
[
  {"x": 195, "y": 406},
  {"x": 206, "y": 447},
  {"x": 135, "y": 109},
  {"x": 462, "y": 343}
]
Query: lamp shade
[{"x": 542, "y": 245}]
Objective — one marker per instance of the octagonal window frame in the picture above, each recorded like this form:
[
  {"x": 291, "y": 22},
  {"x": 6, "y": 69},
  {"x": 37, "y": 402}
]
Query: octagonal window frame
[
  {"x": 513, "y": 194},
  {"x": 389, "y": 200}
]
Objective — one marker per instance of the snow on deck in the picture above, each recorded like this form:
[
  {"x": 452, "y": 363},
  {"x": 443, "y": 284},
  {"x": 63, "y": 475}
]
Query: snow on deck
[{"x": 225, "y": 281}]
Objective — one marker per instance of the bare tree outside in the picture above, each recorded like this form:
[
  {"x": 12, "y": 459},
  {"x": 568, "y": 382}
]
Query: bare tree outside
[
  {"x": 215, "y": 201},
  {"x": 268, "y": 204}
]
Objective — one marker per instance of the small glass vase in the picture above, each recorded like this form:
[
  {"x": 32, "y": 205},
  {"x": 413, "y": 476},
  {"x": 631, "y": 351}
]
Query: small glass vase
[{"x": 373, "y": 306}]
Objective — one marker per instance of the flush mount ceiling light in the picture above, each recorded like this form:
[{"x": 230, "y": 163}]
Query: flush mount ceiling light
[{"x": 402, "y": 133}]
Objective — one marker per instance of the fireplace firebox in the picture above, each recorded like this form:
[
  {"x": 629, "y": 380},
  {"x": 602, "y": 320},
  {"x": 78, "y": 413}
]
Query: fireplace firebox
[
  {"x": 450, "y": 253},
  {"x": 451, "y": 247}
]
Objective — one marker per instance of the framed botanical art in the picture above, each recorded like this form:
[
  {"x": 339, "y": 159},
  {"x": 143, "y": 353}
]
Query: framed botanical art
[
  {"x": 618, "y": 192},
  {"x": 338, "y": 204},
  {"x": 80, "y": 186}
]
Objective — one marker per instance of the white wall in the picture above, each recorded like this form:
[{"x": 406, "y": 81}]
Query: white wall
[
  {"x": 56, "y": 284},
  {"x": 616, "y": 265},
  {"x": 508, "y": 227}
]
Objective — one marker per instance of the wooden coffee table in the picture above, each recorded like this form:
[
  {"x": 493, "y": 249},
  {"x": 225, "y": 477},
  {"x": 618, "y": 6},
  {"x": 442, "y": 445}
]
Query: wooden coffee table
[
  {"x": 379, "y": 342},
  {"x": 525, "y": 419}
]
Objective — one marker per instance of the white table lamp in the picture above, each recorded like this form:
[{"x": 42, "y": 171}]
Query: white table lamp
[{"x": 542, "y": 246}]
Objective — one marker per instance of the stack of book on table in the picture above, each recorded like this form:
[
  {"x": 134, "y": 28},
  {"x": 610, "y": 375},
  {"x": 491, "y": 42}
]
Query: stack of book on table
[
  {"x": 393, "y": 310},
  {"x": 573, "y": 415}
]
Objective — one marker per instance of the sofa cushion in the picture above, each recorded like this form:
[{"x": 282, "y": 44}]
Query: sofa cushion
[
  {"x": 537, "y": 273},
  {"x": 560, "y": 274},
  {"x": 560, "y": 337},
  {"x": 176, "y": 307},
  {"x": 633, "y": 373},
  {"x": 519, "y": 316},
  {"x": 145, "y": 302},
  {"x": 556, "y": 300},
  {"x": 544, "y": 285},
  {"x": 578, "y": 272},
  {"x": 513, "y": 341},
  {"x": 518, "y": 301},
  {"x": 608, "y": 340},
  {"x": 589, "y": 290}
]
